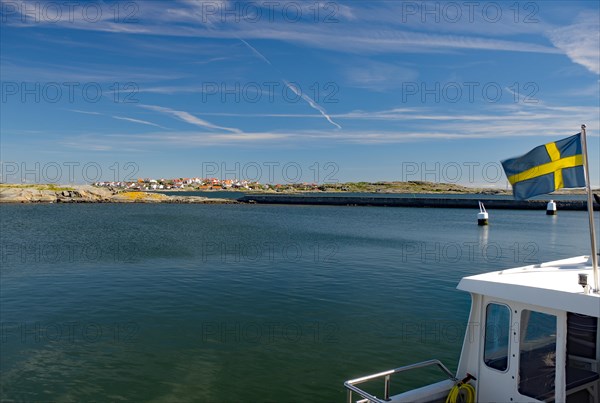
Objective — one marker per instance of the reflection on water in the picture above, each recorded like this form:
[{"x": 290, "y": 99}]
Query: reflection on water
[
  {"x": 244, "y": 302},
  {"x": 484, "y": 233}
]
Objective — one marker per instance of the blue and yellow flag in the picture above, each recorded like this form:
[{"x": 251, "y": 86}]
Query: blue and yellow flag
[{"x": 547, "y": 168}]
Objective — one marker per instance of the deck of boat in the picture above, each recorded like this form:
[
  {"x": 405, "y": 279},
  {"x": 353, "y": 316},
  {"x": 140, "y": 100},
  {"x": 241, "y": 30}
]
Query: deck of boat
[{"x": 553, "y": 285}]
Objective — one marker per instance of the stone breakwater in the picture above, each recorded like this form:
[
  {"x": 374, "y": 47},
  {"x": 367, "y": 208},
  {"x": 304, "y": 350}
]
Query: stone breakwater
[
  {"x": 91, "y": 194},
  {"x": 471, "y": 203}
]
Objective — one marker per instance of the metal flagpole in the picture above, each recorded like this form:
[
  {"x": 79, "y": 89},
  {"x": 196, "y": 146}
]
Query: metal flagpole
[{"x": 590, "y": 204}]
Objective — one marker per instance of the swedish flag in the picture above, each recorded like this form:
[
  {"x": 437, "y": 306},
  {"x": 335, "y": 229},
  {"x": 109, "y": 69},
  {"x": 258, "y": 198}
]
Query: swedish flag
[{"x": 547, "y": 168}]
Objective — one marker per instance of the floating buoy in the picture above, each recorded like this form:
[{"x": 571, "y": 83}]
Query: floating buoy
[
  {"x": 482, "y": 216},
  {"x": 551, "y": 208}
]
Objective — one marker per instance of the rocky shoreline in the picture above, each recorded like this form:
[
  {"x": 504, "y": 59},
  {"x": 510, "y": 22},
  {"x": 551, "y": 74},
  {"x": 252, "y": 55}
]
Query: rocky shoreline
[
  {"x": 91, "y": 194},
  {"x": 27, "y": 194}
]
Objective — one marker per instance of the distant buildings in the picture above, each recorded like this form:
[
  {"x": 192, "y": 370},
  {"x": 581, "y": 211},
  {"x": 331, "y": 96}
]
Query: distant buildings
[
  {"x": 149, "y": 184},
  {"x": 184, "y": 183}
]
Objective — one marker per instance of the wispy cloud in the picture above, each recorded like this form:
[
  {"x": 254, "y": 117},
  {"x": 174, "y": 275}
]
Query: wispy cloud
[
  {"x": 143, "y": 122},
  {"x": 522, "y": 114},
  {"x": 351, "y": 34},
  {"x": 133, "y": 120},
  {"x": 200, "y": 139},
  {"x": 580, "y": 41},
  {"x": 87, "y": 145},
  {"x": 84, "y": 112},
  {"x": 213, "y": 60},
  {"x": 375, "y": 40},
  {"x": 378, "y": 76},
  {"x": 79, "y": 74},
  {"x": 189, "y": 118},
  {"x": 511, "y": 121}
]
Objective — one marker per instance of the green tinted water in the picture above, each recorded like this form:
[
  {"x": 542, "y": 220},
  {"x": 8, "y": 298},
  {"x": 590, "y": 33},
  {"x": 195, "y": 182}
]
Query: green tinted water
[{"x": 243, "y": 302}]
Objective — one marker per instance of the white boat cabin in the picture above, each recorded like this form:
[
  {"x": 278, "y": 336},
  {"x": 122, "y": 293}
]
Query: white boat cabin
[{"x": 532, "y": 336}]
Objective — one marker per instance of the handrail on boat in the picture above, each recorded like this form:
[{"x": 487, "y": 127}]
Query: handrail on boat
[{"x": 350, "y": 385}]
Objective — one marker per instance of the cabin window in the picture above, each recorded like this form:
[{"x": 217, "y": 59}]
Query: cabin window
[
  {"x": 581, "y": 335},
  {"x": 537, "y": 350},
  {"x": 497, "y": 336}
]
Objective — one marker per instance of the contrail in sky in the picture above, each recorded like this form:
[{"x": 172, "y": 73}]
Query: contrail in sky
[
  {"x": 305, "y": 97},
  {"x": 256, "y": 52},
  {"x": 312, "y": 103}
]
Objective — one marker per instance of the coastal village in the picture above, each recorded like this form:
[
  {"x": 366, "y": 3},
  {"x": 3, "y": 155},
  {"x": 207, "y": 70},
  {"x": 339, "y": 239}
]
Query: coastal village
[
  {"x": 215, "y": 184},
  {"x": 205, "y": 184}
]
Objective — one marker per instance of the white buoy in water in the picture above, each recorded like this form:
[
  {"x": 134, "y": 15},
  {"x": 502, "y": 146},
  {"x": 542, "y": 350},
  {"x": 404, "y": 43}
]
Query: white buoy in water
[
  {"x": 551, "y": 208},
  {"x": 482, "y": 216}
]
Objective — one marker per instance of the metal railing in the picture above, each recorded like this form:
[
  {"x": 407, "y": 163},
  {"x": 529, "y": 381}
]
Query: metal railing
[{"x": 350, "y": 385}]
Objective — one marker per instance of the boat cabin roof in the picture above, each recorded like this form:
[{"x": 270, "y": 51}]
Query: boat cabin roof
[{"x": 553, "y": 285}]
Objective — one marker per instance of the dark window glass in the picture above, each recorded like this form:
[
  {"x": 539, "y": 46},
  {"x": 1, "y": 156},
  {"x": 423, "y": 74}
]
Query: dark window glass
[
  {"x": 581, "y": 335},
  {"x": 537, "y": 363},
  {"x": 497, "y": 336}
]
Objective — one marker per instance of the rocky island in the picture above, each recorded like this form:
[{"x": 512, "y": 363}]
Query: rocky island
[
  {"x": 10, "y": 193},
  {"x": 353, "y": 194}
]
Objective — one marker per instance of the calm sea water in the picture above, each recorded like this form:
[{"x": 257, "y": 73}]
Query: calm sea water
[{"x": 243, "y": 302}]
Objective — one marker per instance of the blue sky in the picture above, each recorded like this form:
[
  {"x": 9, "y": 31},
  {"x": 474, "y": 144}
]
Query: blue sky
[{"x": 282, "y": 91}]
